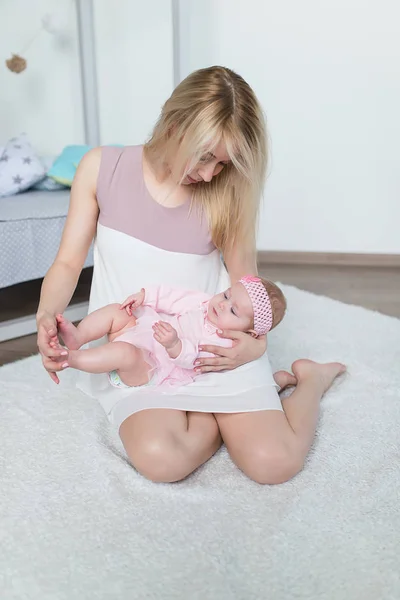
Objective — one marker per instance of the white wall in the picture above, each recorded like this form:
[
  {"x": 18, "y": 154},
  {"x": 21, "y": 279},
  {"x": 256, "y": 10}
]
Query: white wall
[
  {"x": 328, "y": 76},
  {"x": 45, "y": 100},
  {"x": 134, "y": 55},
  {"x": 134, "y": 66}
]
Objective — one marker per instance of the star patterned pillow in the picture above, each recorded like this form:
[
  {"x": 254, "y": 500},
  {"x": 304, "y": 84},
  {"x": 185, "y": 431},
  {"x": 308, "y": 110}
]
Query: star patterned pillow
[{"x": 20, "y": 168}]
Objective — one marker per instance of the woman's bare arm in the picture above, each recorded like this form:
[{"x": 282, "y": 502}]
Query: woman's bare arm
[
  {"x": 240, "y": 262},
  {"x": 245, "y": 348},
  {"x": 62, "y": 277}
]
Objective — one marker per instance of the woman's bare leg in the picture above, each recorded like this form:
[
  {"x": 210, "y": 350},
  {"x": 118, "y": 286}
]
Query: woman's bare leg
[
  {"x": 271, "y": 446},
  {"x": 167, "y": 445}
]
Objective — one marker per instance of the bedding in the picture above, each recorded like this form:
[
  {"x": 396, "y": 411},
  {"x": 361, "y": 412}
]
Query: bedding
[
  {"x": 31, "y": 226},
  {"x": 20, "y": 167}
]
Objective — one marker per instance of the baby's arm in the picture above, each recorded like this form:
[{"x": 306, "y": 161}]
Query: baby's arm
[
  {"x": 173, "y": 301},
  {"x": 165, "y": 299},
  {"x": 183, "y": 352}
]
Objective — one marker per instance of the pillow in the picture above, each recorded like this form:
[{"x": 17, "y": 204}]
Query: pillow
[
  {"x": 64, "y": 167},
  {"x": 20, "y": 168},
  {"x": 47, "y": 184}
]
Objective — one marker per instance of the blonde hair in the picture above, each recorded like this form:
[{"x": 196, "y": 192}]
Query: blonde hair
[
  {"x": 209, "y": 106},
  {"x": 277, "y": 299}
]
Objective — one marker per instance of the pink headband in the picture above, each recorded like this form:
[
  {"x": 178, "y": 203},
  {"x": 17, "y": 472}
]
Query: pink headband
[{"x": 261, "y": 303}]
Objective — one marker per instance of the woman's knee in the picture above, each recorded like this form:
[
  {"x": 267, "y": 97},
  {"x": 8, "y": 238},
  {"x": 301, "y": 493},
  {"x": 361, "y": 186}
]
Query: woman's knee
[
  {"x": 269, "y": 464},
  {"x": 159, "y": 460}
]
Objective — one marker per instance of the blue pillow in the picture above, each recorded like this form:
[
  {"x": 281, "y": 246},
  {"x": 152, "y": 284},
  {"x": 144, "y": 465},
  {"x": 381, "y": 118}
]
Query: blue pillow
[
  {"x": 64, "y": 167},
  {"x": 47, "y": 184}
]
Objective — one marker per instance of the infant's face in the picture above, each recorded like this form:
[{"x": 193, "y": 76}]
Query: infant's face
[{"x": 232, "y": 309}]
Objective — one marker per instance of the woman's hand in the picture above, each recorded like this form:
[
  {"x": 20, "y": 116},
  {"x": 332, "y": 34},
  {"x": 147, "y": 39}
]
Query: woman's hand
[
  {"x": 245, "y": 349},
  {"x": 133, "y": 302},
  {"x": 53, "y": 354}
]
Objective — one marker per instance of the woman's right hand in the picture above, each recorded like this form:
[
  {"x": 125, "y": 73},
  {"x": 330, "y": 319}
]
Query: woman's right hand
[{"x": 53, "y": 354}]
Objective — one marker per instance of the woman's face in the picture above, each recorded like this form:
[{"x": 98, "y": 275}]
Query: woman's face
[{"x": 209, "y": 166}]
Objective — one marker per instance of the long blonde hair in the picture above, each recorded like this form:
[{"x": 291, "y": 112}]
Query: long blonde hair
[{"x": 209, "y": 106}]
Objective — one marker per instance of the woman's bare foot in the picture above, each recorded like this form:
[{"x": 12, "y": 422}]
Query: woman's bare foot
[
  {"x": 68, "y": 332},
  {"x": 323, "y": 374},
  {"x": 284, "y": 379}
]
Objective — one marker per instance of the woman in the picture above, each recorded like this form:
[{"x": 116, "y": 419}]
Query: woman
[{"x": 164, "y": 213}]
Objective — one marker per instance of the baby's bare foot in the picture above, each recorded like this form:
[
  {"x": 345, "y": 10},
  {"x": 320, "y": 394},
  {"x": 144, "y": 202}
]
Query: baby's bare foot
[
  {"x": 68, "y": 332},
  {"x": 324, "y": 374},
  {"x": 284, "y": 379}
]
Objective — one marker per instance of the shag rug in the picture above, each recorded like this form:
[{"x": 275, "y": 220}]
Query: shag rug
[{"x": 77, "y": 522}]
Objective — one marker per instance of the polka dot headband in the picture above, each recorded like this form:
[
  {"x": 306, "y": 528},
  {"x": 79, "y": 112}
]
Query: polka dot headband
[{"x": 261, "y": 303}]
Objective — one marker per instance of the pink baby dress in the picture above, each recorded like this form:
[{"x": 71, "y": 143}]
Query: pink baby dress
[{"x": 186, "y": 311}]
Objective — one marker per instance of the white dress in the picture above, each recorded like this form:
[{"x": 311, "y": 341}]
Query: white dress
[{"x": 126, "y": 258}]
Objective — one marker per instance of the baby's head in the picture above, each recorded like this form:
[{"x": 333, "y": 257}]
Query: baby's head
[{"x": 252, "y": 305}]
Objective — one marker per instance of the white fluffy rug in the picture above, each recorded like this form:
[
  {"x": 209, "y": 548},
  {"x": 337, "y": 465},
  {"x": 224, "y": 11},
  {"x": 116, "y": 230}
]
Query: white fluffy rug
[{"x": 77, "y": 522}]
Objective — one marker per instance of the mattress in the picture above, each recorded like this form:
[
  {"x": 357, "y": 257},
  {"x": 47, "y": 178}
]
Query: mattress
[{"x": 31, "y": 226}]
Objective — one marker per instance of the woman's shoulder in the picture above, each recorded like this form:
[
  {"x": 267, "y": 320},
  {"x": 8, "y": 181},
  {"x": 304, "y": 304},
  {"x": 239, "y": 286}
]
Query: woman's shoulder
[
  {"x": 117, "y": 166},
  {"x": 91, "y": 160},
  {"x": 88, "y": 171}
]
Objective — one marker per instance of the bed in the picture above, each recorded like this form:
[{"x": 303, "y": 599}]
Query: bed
[{"x": 31, "y": 225}]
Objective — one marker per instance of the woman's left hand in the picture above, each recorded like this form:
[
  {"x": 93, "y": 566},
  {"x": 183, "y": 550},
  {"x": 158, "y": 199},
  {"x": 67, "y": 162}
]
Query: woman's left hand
[{"x": 245, "y": 349}]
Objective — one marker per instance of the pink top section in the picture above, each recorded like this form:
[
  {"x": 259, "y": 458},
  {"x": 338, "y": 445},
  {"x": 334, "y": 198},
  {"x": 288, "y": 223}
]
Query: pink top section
[
  {"x": 126, "y": 205},
  {"x": 186, "y": 311}
]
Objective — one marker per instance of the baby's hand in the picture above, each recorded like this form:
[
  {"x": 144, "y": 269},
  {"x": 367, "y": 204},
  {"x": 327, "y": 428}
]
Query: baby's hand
[
  {"x": 165, "y": 334},
  {"x": 133, "y": 302}
]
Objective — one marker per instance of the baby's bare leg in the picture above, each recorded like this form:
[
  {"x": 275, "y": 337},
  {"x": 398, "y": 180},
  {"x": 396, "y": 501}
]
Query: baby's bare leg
[
  {"x": 93, "y": 327},
  {"x": 120, "y": 356}
]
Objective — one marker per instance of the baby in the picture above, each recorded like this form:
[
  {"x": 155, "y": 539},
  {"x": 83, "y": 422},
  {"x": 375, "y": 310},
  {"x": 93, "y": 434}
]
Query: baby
[{"x": 145, "y": 347}]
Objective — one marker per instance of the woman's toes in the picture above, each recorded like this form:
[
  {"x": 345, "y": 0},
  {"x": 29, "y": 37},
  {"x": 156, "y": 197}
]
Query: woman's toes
[{"x": 283, "y": 379}]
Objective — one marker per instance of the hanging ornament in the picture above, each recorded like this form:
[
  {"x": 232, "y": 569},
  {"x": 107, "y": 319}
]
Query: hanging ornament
[
  {"x": 54, "y": 23},
  {"x": 16, "y": 63}
]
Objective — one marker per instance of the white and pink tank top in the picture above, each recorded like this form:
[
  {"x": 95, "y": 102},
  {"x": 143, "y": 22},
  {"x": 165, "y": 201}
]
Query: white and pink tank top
[
  {"x": 126, "y": 206},
  {"x": 139, "y": 243}
]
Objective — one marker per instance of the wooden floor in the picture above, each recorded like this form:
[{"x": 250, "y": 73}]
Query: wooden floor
[{"x": 374, "y": 288}]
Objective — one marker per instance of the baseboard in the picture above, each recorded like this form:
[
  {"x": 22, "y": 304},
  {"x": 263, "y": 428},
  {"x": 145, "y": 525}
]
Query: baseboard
[
  {"x": 268, "y": 257},
  {"x": 15, "y": 328}
]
